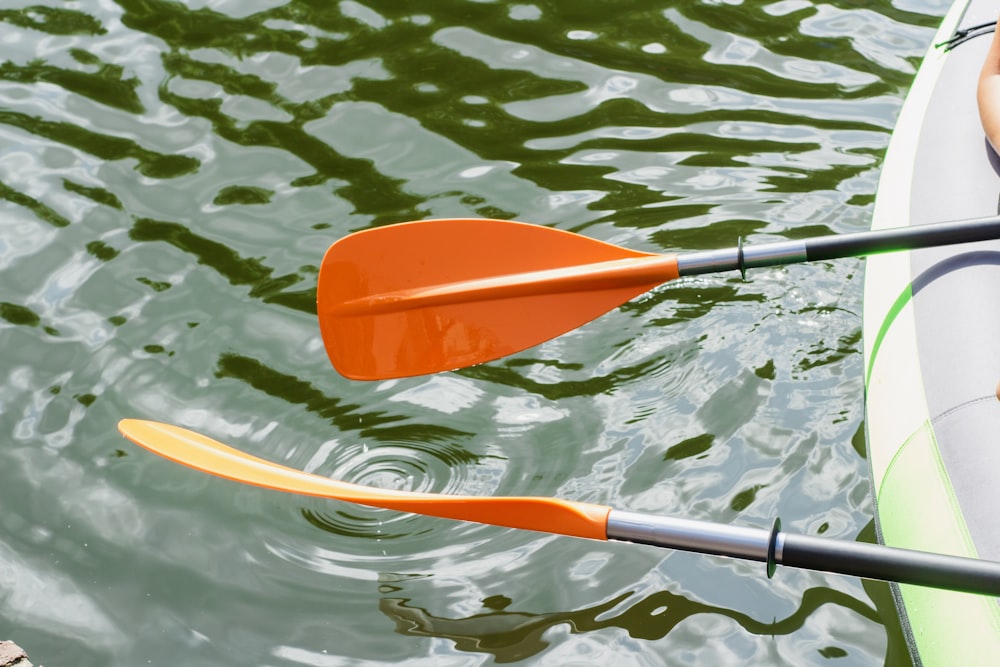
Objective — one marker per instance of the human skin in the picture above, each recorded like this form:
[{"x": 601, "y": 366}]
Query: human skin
[{"x": 988, "y": 93}]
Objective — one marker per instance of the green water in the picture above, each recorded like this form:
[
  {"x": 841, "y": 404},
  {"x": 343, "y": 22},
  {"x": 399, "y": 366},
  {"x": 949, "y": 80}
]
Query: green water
[{"x": 170, "y": 175}]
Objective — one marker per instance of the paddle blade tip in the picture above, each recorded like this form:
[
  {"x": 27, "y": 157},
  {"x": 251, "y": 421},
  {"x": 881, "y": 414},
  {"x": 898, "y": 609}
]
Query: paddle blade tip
[
  {"x": 130, "y": 427},
  {"x": 176, "y": 443},
  {"x": 148, "y": 434}
]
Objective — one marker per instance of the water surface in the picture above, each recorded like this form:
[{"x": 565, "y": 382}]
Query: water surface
[{"x": 170, "y": 175}]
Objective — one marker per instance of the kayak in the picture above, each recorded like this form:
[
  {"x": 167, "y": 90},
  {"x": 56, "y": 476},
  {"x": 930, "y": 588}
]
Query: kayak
[{"x": 932, "y": 347}]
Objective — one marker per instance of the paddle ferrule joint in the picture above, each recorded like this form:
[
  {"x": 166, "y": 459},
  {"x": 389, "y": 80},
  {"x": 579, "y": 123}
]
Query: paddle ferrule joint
[
  {"x": 708, "y": 261},
  {"x": 742, "y": 257},
  {"x": 691, "y": 535}
]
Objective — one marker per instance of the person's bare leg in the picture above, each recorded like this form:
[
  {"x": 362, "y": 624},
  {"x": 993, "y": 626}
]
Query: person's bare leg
[{"x": 988, "y": 93}]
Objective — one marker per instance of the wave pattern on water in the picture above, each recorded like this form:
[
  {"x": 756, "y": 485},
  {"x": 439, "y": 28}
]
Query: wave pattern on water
[{"x": 170, "y": 175}]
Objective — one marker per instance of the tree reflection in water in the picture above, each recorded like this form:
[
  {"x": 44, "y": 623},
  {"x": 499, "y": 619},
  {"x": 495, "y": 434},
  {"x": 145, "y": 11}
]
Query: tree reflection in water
[{"x": 510, "y": 636}]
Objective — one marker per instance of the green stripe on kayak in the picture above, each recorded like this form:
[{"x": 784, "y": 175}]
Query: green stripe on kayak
[
  {"x": 947, "y": 627},
  {"x": 897, "y": 306}
]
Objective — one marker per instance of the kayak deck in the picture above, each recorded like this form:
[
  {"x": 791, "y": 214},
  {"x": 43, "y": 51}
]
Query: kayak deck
[{"x": 932, "y": 349}]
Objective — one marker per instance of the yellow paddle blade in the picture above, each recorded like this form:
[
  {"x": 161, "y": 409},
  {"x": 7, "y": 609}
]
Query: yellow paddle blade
[
  {"x": 430, "y": 296},
  {"x": 547, "y": 515}
]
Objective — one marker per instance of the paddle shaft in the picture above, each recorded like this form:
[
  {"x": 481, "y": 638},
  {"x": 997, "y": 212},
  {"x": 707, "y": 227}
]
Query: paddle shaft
[
  {"x": 870, "y": 561},
  {"x": 652, "y": 268},
  {"x": 566, "y": 517},
  {"x": 431, "y": 296},
  {"x": 842, "y": 245}
]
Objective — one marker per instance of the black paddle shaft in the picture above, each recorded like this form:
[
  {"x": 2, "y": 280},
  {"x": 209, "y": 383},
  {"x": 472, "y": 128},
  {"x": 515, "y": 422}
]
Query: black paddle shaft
[
  {"x": 774, "y": 547},
  {"x": 872, "y": 561},
  {"x": 840, "y": 245}
]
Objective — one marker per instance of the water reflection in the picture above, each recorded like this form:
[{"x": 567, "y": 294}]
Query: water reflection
[
  {"x": 345, "y": 416},
  {"x": 106, "y": 85},
  {"x": 20, "y": 315},
  {"x": 510, "y": 373},
  {"x": 53, "y": 20},
  {"x": 510, "y": 636},
  {"x": 170, "y": 174},
  {"x": 103, "y": 146},
  {"x": 96, "y": 194},
  {"x": 41, "y": 211},
  {"x": 237, "y": 270}
]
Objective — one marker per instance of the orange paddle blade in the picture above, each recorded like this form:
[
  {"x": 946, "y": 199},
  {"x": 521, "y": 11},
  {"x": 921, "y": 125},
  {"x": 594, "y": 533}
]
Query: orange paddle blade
[
  {"x": 430, "y": 296},
  {"x": 547, "y": 515}
]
